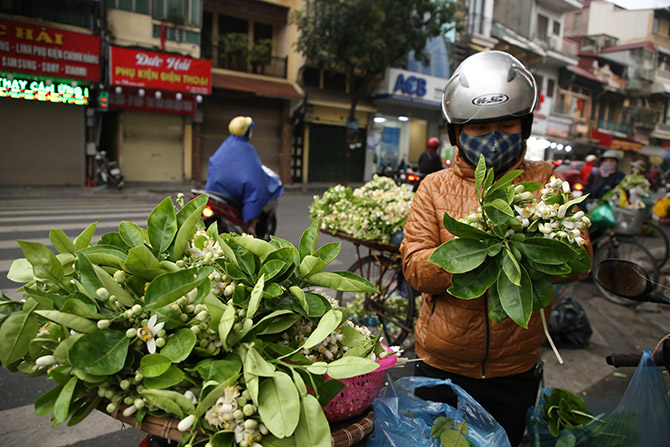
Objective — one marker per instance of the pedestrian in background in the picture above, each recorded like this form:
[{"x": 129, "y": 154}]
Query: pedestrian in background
[
  {"x": 606, "y": 177},
  {"x": 430, "y": 160},
  {"x": 586, "y": 170},
  {"x": 488, "y": 104}
]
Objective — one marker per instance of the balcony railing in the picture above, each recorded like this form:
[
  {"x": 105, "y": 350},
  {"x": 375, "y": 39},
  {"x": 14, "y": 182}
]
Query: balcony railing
[
  {"x": 617, "y": 127},
  {"x": 240, "y": 61},
  {"x": 559, "y": 44}
]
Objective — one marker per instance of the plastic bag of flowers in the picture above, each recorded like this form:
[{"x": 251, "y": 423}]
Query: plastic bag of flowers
[
  {"x": 375, "y": 211},
  {"x": 225, "y": 332},
  {"x": 513, "y": 244}
]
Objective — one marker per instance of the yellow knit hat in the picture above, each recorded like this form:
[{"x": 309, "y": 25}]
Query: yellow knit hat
[{"x": 239, "y": 125}]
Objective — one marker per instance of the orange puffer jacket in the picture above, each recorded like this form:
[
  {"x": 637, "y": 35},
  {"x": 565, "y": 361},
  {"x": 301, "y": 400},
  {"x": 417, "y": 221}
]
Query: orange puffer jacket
[{"x": 452, "y": 334}]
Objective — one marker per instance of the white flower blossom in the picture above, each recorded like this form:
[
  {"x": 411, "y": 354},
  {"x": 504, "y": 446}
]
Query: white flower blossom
[{"x": 148, "y": 333}]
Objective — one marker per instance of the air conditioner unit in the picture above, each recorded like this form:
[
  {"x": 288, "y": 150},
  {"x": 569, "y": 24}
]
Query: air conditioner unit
[{"x": 556, "y": 43}]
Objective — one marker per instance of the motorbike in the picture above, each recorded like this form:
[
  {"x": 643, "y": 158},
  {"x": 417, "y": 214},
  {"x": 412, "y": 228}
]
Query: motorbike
[
  {"x": 629, "y": 280},
  {"x": 107, "y": 173},
  {"x": 227, "y": 213}
]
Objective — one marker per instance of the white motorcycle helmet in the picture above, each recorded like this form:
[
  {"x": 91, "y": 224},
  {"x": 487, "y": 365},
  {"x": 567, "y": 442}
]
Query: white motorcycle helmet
[{"x": 489, "y": 86}]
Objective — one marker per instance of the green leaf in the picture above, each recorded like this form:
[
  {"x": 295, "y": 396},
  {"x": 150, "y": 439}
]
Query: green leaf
[
  {"x": 476, "y": 282},
  {"x": 206, "y": 401},
  {"x": 455, "y": 437},
  {"x": 548, "y": 269},
  {"x": 517, "y": 301},
  {"x": 259, "y": 247},
  {"x": 16, "y": 332},
  {"x": 113, "y": 287},
  {"x": 543, "y": 293},
  {"x": 342, "y": 281},
  {"x": 173, "y": 376},
  {"x": 255, "y": 364},
  {"x": 62, "y": 406},
  {"x": 328, "y": 252},
  {"x": 84, "y": 238},
  {"x": 511, "y": 267},
  {"x": 310, "y": 265},
  {"x": 171, "y": 286},
  {"x": 225, "y": 325},
  {"x": 580, "y": 262},
  {"x": 459, "y": 255},
  {"x": 45, "y": 264},
  {"x": 101, "y": 353},
  {"x": 255, "y": 299},
  {"x": 505, "y": 181},
  {"x": 299, "y": 294},
  {"x": 544, "y": 251},
  {"x": 347, "y": 367},
  {"x": 105, "y": 255},
  {"x": 310, "y": 239},
  {"x": 270, "y": 269},
  {"x": 503, "y": 207},
  {"x": 496, "y": 313},
  {"x": 61, "y": 241},
  {"x": 463, "y": 230},
  {"x": 480, "y": 174},
  {"x": 143, "y": 263},
  {"x": 169, "y": 401},
  {"x": 21, "y": 271},
  {"x": 154, "y": 365},
  {"x": 85, "y": 406},
  {"x": 46, "y": 402},
  {"x": 190, "y": 207},
  {"x": 219, "y": 370},
  {"x": 186, "y": 230},
  {"x": 70, "y": 321},
  {"x": 179, "y": 345},
  {"x": 131, "y": 234},
  {"x": 162, "y": 226},
  {"x": 327, "y": 324},
  {"x": 279, "y": 405},
  {"x": 313, "y": 429}
]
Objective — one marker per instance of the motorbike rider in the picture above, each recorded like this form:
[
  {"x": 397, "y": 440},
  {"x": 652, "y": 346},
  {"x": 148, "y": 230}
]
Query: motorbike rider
[
  {"x": 430, "y": 160},
  {"x": 488, "y": 104},
  {"x": 236, "y": 171}
]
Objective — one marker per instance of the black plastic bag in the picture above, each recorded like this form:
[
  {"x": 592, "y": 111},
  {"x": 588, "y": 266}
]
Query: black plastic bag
[{"x": 569, "y": 326}]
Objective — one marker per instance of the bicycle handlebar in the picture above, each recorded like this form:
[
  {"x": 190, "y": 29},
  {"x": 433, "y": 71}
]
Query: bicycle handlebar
[{"x": 632, "y": 359}]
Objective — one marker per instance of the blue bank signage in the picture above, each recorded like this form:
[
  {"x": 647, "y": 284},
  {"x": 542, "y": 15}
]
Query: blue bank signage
[{"x": 411, "y": 86}]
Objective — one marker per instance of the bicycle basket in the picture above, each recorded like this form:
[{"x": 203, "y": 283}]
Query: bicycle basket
[{"x": 628, "y": 220}]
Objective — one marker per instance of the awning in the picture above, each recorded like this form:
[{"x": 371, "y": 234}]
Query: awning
[{"x": 260, "y": 87}]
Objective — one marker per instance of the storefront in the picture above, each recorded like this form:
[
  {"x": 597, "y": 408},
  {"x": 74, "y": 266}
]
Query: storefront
[
  {"x": 46, "y": 77},
  {"x": 152, "y": 99},
  {"x": 408, "y": 114}
]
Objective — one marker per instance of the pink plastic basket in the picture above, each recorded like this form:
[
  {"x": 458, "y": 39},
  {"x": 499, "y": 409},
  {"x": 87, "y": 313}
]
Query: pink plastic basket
[{"x": 358, "y": 393}]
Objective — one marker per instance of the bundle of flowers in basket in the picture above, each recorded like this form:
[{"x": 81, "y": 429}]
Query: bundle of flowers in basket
[
  {"x": 223, "y": 333},
  {"x": 375, "y": 211}
]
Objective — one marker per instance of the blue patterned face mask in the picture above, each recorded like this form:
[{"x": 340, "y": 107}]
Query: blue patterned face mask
[{"x": 500, "y": 150}]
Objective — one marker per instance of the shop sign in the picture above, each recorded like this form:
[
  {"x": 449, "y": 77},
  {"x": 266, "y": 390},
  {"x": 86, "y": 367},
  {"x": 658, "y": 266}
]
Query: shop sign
[
  {"x": 45, "y": 91},
  {"x": 159, "y": 71},
  {"x": 45, "y": 51},
  {"x": 167, "y": 103},
  {"x": 558, "y": 129},
  {"x": 409, "y": 85},
  {"x": 608, "y": 140}
]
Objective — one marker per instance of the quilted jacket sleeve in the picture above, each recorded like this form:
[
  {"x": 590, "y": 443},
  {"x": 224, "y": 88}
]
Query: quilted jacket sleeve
[{"x": 422, "y": 237}]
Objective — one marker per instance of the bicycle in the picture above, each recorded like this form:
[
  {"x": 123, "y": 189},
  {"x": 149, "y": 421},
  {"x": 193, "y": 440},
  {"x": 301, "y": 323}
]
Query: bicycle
[{"x": 395, "y": 306}]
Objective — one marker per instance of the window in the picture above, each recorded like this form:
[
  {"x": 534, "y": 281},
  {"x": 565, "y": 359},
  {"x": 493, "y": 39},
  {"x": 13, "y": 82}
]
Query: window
[
  {"x": 654, "y": 26},
  {"x": 174, "y": 34},
  {"x": 181, "y": 12},
  {"x": 139, "y": 6},
  {"x": 542, "y": 26},
  {"x": 551, "y": 84},
  {"x": 557, "y": 28},
  {"x": 262, "y": 31},
  {"x": 233, "y": 25},
  {"x": 311, "y": 77}
]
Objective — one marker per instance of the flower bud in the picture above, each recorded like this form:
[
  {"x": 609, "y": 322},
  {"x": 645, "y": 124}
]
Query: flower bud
[
  {"x": 250, "y": 424},
  {"x": 102, "y": 293},
  {"x": 120, "y": 276},
  {"x": 229, "y": 290},
  {"x": 103, "y": 324},
  {"x": 137, "y": 309},
  {"x": 519, "y": 189},
  {"x": 129, "y": 411},
  {"x": 561, "y": 211},
  {"x": 138, "y": 403},
  {"x": 202, "y": 316},
  {"x": 131, "y": 333},
  {"x": 186, "y": 423},
  {"x": 124, "y": 384},
  {"x": 45, "y": 360},
  {"x": 111, "y": 407},
  {"x": 248, "y": 410},
  {"x": 566, "y": 187}
]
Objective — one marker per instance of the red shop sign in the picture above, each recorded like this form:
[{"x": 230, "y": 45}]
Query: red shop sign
[
  {"x": 167, "y": 103},
  {"x": 146, "y": 69},
  {"x": 53, "y": 52}
]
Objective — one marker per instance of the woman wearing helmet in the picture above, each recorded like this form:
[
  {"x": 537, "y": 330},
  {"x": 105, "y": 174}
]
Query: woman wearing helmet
[
  {"x": 430, "y": 160},
  {"x": 604, "y": 178},
  {"x": 488, "y": 104},
  {"x": 236, "y": 171}
]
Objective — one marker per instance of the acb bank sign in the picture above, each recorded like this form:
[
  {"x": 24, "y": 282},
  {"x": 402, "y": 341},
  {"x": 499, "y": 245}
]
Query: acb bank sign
[{"x": 413, "y": 87}]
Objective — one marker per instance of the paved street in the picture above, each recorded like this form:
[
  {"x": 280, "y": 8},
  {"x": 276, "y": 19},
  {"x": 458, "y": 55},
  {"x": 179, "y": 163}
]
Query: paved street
[{"x": 28, "y": 214}]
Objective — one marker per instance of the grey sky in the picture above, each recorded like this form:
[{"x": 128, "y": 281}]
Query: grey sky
[{"x": 641, "y": 4}]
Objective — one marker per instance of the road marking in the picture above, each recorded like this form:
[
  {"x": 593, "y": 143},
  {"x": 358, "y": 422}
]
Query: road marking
[
  {"x": 67, "y": 226},
  {"x": 121, "y": 214},
  {"x": 20, "y": 427}
]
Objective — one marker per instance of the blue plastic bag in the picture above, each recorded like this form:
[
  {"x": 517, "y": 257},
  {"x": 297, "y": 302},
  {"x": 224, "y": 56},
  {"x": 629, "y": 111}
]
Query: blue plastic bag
[
  {"x": 404, "y": 420},
  {"x": 641, "y": 419}
]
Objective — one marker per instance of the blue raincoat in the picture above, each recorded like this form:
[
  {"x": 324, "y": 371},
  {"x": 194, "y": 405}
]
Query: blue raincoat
[{"x": 236, "y": 171}]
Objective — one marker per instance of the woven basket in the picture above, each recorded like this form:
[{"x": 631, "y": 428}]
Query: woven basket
[
  {"x": 344, "y": 434},
  {"x": 358, "y": 393}
]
